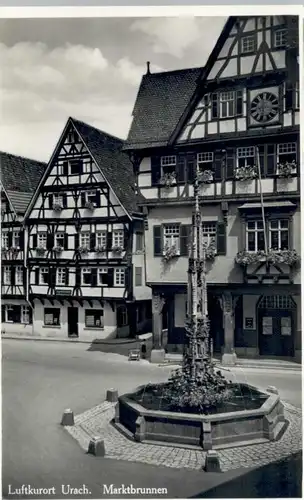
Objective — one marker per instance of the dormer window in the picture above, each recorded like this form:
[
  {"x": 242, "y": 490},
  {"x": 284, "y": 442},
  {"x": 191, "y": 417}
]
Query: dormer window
[
  {"x": 280, "y": 38},
  {"x": 248, "y": 44}
]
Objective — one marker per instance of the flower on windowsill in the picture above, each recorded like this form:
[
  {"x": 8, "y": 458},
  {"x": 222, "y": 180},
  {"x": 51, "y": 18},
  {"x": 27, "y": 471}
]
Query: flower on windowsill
[
  {"x": 58, "y": 249},
  {"x": 57, "y": 207},
  {"x": 289, "y": 257},
  {"x": 117, "y": 249},
  {"x": 170, "y": 252},
  {"x": 100, "y": 249},
  {"x": 40, "y": 250},
  {"x": 168, "y": 179},
  {"x": 210, "y": 251},
  {"x": 205, "y": 176},
  {"x": 4, "y": 249},
  {"x": 89, "y": 205},
  {"x": 246, "y": 173},
  {"x": 285, "y": 170},
  {"x": 83, "y": 250},
  {"x": 15, "y": 249}
]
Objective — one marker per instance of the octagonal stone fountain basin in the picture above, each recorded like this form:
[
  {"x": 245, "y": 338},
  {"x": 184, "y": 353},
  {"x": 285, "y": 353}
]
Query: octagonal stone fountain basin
[{"x": 256, "y": 417}]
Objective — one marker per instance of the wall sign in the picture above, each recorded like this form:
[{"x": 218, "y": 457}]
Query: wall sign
[
  {"x": 267, "y": 325},
  {"x": 286, "y": 326},
  {"x": 249, "y": 323},
  {"x": 63, "y": 292}
]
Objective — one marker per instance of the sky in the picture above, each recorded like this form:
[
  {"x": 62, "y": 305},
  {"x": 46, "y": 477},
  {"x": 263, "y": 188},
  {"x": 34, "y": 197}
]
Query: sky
[{"x": 89, "y": 69}]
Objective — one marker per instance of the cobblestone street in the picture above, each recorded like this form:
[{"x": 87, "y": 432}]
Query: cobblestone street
[{"x": 97, "y": 422}]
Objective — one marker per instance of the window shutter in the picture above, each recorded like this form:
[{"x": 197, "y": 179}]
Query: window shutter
[
  {"x": 50, "y": 241},
  {"x": 230, "y": 163},
  {"x": 2, "y": 313},
  {"x": 126, "y": 238},
  {"x": 77, "y": 276},
  {"x": 13, "y": 275},
  {"x": 97, "y": 199},
  {"x": 184, "y": 239},
  {"x": 52, "y": 277},
  {"x": 76, "y": 241},
  {"x": 181, "y": 168},
  {"x": 127, "y": 278},
  {"x": 92, "y": 242},
  {"x": 109, "y": 240},
  {"x": 64, "y": 200},
  {"x": 37, "y": 276},
  {"x": 190, "y": 167},
  {"x": 218, "y": 160},
  {"x": 66, "y": 241},
  {"x": 24, "y": 276},
  {"x": 138, "y": 276},
  {"x": 34, "y": 240},
  {"x": 83, "y": 199},
  {"x": 65, "y": 168},
  {"x": 270, "y": 159},
  {"x": 239, "y": 103},
  {"x": 50, "y": 201},
  {"x": 214, "y": 108},
  {"x": 155, "y": 170},
  {"x": 94, "y": 277},
  {"x": 21, "y": 239},
  {"x": 221, "y": 238},
  {"x": 66, "y": 275},
  {"x": 111, "y": 276},
  {"x": 157, "y": 240},
  {"x": 289, "y": 93},
  {"x": 10, "y": 239}
]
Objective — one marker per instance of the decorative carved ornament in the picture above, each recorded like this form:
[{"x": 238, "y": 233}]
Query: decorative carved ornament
[{"x": 158, "y": 302}]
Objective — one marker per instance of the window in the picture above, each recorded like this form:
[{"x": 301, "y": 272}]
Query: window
[
  {"x": 16, "y": 239},
  {"x": 57, "y": 199},
  {"x": 51, "y": 316},
  {"x": 102, "y": 276},
  {"x": 60, "y": 276},
  {"x": 122, "y": 316},
  {"x": 75, "y": 167},
  {"x": 12, "y": 314},
  {"x": 101, "y": 239},
  {"x": 94, "y": 318},
  {"x": 85, "y": 239},
  {"x": 248, "y": 44},
  {"x": 86, "y": 276},
  {"x": 118, "y": 238},
  {"x": 44, "y": 276},
  {"x": 4, "y": 238},
  {"x": 119, "y": 276},
  {"x": 41, "y": 237},
  {"x": 227, "y": 104},
  {"x": 71, "y": 136},
  {"x": 25, "y": 315},
  {"x": 139, "y": 242},
  {"x": 19, "y": 275},
  {"x": 205, "y": 160},
  {"x": 287, "y": 152},
  {"x": 6, "y": 275},
  {"x": 209, "y": 233},
  {"x": 255, "y": 236},
  {"x": 168, "y": 164},
  {"x": 171, "y": 236},
  {"x": 90, "y": 197},
  {"x": 246, "y": 157},
  {"x": 59, "y": 240},
  {"x": 280, "y": 38},
  {"x": 279, "y": 234},
  {"x": 138, "y": 276}
]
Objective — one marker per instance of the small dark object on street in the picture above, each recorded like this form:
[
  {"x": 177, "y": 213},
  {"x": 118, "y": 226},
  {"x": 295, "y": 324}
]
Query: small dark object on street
[
  {"x": 212, "y": 462},
  {"x": 112, "y": 395},
  {"x": 97, "y": 447},
  {"x": 67, "y": 418},
  {"x": 143, "y": 350}
]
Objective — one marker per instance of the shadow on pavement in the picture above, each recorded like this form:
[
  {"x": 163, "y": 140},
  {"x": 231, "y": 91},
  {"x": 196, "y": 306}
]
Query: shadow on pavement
[
  {"x": 119, "y": 346},
  {"x": 281, "y": 479}
]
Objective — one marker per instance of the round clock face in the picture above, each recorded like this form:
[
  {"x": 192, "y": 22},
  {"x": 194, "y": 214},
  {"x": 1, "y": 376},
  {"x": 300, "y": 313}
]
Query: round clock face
[{"x": 264, "y": 107}]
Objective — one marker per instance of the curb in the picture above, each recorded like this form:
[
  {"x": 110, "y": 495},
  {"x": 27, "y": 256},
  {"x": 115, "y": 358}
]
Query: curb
[{"x": 75, "y": 341}]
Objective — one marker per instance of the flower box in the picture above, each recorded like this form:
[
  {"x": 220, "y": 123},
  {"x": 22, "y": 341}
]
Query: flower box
[
  {"x": 168, "y": 180},
  {"x": 58, "y": 249},
  {"x": 118, "y": 250},
  {"x": 100, "y": 249},
  {"x": 40, "y": 250},
  {"x": 89, "y": 205},
  {"x": 285, "y": 170},
  {"x": 57, "y": 207},
  {"x": 210, "y": 251},
  {"x": 170, "y": 252},
  {"x": 205, "y": 176},
  {"x": 246, "y": 173},
  {"x": 83, "y": 250},
  {"x": 289, "y": 257}
]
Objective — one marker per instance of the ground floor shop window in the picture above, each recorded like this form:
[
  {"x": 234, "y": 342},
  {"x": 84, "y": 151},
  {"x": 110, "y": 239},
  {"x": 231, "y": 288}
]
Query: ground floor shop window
[
  {"x": 94, "y": 318},
  {"x": 51, "y": 316},
  {"x": 16, "y": 314},
  {"x": 122, "y": 316}
]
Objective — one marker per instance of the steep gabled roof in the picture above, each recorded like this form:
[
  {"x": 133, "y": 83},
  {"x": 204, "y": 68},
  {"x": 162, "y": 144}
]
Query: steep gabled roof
[
  {"x": 113, "y": 163},
  {"x": 20, "y": 177},
  {"x": 160, "y": 103}
]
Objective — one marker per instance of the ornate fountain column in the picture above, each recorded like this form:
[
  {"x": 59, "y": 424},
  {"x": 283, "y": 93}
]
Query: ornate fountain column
[
  {"x": 228, "y": 304},
  {"x": 158, "y": 352}
]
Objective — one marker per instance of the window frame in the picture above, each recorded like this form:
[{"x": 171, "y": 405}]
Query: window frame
[
  {"x": 268, "y": 222},
  {"x": 4, "y": 240},
  {"x": 101, "y": 235},
  {"x": 86, "y": 271},
  {"x": 7, "y": 277},
  {"x": 99, "y": 273},
  {"x": 249, "y": 49},
  {"x": 19, "y": 272},
  {"x": 51, "y": 310},
  {"x": 245, "y": 157},
  {"x": 57, "y": 235},
  {"x": 16, "y": 239},
  {"x": 277, "y": 31},
  {"x": 211, "y": 236},
  {"x": 25, "y": 312},
  {"x": 139, "y": 238},
  {"x": 87, "y": 234},
  {"x": 60, "y": 273},
  {"x": 72, "y": 163},
  {"x": 279, "y": 229},
  {"x": 281, "y": 154},
  {"x": 120, "y": 239},
  {"x": 42, "y": 244},
  {"x": 256, "y": 230},
  {"x": 90, "y": 197},
  {"x": 43, "y": 271},
  {"x": 12, "y": 307},
  {"x": 119, "y": 277},
  {"x": 94, "y": 313},
  {"x": 177, "y": 245}
]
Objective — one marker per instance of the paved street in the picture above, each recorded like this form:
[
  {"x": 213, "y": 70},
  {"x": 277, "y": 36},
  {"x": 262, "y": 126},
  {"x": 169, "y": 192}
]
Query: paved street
[{"x": 41, "y": 379}]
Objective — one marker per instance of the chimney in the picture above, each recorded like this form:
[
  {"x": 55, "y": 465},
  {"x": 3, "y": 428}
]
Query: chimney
[{"x": 148, "y": 68}]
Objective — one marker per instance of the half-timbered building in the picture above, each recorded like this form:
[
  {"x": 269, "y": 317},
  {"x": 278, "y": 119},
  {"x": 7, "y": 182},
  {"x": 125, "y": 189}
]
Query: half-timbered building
[
  {"x": 86, "y": 261},
  {"x": 19, "y": 178},
  {"x": 237, "y": 120}
]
